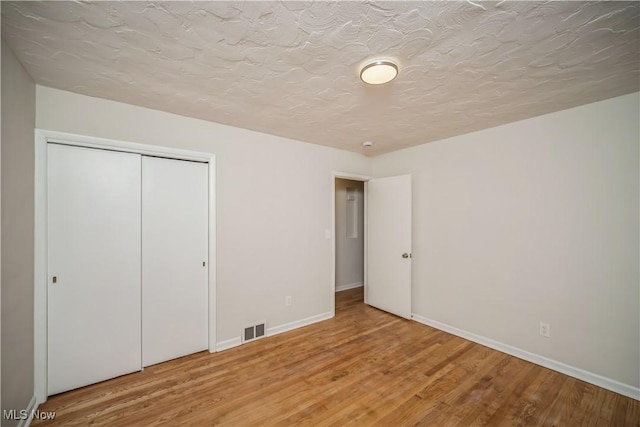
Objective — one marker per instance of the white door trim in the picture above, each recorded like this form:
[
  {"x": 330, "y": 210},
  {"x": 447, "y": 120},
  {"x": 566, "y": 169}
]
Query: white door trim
[
  {"x": 42, "y": 137},
  {"x": 353, "y": 177}
]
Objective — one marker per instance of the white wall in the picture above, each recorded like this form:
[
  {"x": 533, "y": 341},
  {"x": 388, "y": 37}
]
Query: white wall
[
  {"x": 273, "y": 203},
  {"x": 18, "y": 119},
  {"x": 534, "y": 221},
  {"x": 349, "y": 249}
]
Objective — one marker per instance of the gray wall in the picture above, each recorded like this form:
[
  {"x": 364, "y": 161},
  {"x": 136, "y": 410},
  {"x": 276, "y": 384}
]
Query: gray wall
[
  {"x": 273, "y": 198},
  {"x": 534, "y": 221},
  {"x": 18, "y": 122}
]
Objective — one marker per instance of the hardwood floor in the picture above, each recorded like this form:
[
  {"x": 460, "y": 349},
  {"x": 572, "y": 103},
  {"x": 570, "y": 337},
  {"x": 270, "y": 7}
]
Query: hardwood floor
[{"x": 364, "y": 367}]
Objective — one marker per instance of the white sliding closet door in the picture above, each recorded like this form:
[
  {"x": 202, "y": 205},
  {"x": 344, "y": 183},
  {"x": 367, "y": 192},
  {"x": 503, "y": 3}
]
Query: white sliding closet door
[
  {"x": 94, "y": 266},
  {"x": 174, "y": 255}
]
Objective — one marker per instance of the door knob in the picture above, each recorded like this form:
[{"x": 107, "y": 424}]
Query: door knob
[{"x": 406, "y": 255}]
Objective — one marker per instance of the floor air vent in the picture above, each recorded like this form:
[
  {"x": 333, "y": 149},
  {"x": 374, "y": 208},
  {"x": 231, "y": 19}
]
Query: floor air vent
[
  {"x": 260, "y": 330},
  {"x": 254, "y": 331}
]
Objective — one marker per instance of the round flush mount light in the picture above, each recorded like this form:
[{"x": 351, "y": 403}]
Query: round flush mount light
[
  {"x": 367, "y": 144},
  {"x": 379, "y": 71}
]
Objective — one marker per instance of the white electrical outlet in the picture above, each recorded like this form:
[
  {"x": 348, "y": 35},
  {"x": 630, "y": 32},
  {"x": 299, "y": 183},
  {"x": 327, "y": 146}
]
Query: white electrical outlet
[
  {"x": 288, "y": 300},
  {"x": 545, "y": 329}
]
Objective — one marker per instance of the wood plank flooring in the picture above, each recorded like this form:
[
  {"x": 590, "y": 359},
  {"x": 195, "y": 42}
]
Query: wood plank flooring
[{"x": 364, "y": 367}]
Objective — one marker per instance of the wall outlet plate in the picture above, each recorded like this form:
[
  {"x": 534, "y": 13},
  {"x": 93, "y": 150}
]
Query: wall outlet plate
[{"x": 545, "y": 329}]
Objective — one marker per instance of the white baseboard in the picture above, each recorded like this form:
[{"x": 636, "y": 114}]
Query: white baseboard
[
  {"x": 298, "y": 323},
  {"x": 31, "y": 409},
  {"x": 227, "y": 344},
  {"x": 572, "y": 371},
  {"x": 340, "y": 288}
]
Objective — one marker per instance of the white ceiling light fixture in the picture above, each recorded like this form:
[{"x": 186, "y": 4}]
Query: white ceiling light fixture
[
  {"x": 379, "y": 71},
  {"x": 367, "y": 144}
]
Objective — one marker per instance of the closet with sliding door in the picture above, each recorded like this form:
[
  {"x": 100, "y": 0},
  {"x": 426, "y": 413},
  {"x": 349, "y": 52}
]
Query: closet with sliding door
[{"x": 127, "y": 262}]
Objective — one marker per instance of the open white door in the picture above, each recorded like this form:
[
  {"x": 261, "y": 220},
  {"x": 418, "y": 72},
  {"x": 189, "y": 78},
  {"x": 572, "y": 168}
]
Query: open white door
[{"x": 389, "y": 244}]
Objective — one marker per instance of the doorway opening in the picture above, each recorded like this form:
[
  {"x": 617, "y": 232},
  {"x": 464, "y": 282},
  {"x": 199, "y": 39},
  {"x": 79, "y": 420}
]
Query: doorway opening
[{"x": 349, "y": 241}]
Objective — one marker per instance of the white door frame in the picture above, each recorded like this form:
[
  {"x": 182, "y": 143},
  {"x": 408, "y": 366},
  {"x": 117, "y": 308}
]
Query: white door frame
[
  {"x": 42, "y": 137},
  {"x": 353, "y": 177}
]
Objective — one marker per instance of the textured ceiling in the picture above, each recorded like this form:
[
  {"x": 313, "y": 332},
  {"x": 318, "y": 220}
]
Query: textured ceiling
[{"x": 291, "y": 68}]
